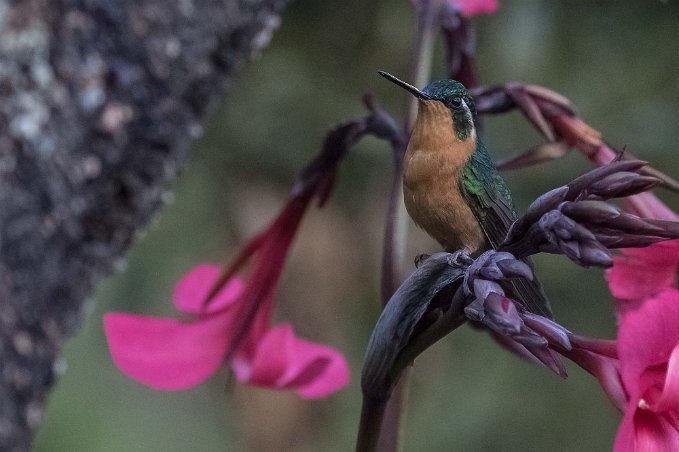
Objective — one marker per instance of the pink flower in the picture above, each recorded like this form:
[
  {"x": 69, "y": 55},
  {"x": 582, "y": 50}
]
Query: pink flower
[
  {"x": 639, "y": 273},
  {"x": 648, "y": 348},
  {"x": 640, "y": 373},
  {"x": 470, "y": 8},
  {"x": 599, "y": 357},
  {"x": 473, "y": 7},
  {"x": 171, "y": 354},
  {"x": 644, "y": 272},
  {"x": 231, "y": 310}
]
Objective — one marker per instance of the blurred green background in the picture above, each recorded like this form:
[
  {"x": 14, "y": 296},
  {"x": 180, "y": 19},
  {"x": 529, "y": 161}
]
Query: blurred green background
[{"x": 617, "y": 61}]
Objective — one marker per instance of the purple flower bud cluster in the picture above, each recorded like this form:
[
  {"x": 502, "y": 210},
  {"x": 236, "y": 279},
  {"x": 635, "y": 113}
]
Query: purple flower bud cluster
[
  {"x": 491, "y": 307},
  {"x": 537, "y": 103},
  {"x": 554, "y": 116},
  {"x": 576, "y": 220}
]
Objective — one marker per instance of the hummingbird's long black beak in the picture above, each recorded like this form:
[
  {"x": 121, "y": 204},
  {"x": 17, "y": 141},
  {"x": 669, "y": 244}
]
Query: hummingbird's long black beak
[{"x": 407, "y": 86}]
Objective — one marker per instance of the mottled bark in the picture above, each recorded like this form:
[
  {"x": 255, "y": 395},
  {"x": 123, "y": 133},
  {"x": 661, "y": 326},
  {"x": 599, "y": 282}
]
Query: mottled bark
[{"x": 99, "y": 103}]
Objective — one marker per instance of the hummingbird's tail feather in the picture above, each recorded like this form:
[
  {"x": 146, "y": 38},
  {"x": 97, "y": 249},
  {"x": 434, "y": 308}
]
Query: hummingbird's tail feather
[{"x": 530, "y": 294}]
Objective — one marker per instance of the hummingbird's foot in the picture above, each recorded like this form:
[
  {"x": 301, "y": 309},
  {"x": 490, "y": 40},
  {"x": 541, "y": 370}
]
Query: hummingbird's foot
[
  {"x": 420, "y": 258},
  {"x": 461, "y": 258}
]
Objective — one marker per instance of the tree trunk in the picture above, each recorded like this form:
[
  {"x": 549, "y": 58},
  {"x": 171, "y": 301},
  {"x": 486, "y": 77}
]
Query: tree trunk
[{"x": 99, "y": 103}]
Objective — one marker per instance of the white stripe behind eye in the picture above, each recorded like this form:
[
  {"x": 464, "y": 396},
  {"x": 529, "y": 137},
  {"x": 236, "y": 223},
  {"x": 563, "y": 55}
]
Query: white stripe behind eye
[
  {"x": 470, "y": 118},
  {"x": 467, "y": 112}
]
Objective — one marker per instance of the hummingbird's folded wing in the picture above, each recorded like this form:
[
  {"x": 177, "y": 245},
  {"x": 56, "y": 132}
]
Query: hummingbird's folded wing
[
  {"x": 530, "y": 294},
  {"x": 490, "y": 201}
]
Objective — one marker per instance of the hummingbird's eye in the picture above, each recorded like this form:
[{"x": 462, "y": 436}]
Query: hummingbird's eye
[{"x": 454, "y": 101}]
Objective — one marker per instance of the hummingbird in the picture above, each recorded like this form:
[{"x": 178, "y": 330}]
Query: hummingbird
[{"x": 451, "y": 187}]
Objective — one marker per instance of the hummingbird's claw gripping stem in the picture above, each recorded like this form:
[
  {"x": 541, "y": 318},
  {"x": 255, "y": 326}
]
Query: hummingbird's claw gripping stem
[
  {"x": 488, "y": 305},
  {"x": 461, "y": 258}
]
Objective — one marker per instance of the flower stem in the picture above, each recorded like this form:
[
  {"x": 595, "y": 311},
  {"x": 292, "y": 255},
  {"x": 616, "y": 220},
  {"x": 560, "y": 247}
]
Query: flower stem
[
  {"x": 423, "y": 54},
  {"x": 372, "y": 414},
  {"x": 393, "y": 242},
  {"x": 383, "y": 434},
  {"x": 388, "y": 439}
]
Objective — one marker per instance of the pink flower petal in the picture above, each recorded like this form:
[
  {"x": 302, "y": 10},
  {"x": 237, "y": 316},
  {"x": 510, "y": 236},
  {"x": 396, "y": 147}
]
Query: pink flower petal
[
  {"x": 662, "y": 254},
  {"x": 643, "y": 430},
  {"x": 194, "y": 287},
  {"x": 653, "y": 433},
  {"x": 625, "y": 439},
  {"x": 472, "y": 7},
  {"x": 315, "y": 370},
  {"x": 165, "y": 353},
  {"x": 669, "y": 399},
  {"x": 333, "y": 376},
  {"x": 282, "y": 361},
  {"x": 603, "y": 155},
  {"x": 648, "y": 333},
  {"x": 631, "y": 278},
  {"x": 647, "y": 205},
  {"x": 270, "y": 360}
]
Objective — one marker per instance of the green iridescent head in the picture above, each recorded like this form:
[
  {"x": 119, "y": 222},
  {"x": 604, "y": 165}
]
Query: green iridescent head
[
  {"x": 452, "y": 94},
  {"x": 459, "y": 101}
]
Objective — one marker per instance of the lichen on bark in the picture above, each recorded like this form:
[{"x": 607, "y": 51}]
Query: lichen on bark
[{"x": 99, "y": 103}]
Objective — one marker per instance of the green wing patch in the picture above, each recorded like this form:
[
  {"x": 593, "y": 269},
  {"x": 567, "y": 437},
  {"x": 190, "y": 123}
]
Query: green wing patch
[
  {"x": 491, "y": 203},
  {"x": 487, "y": 196}
]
